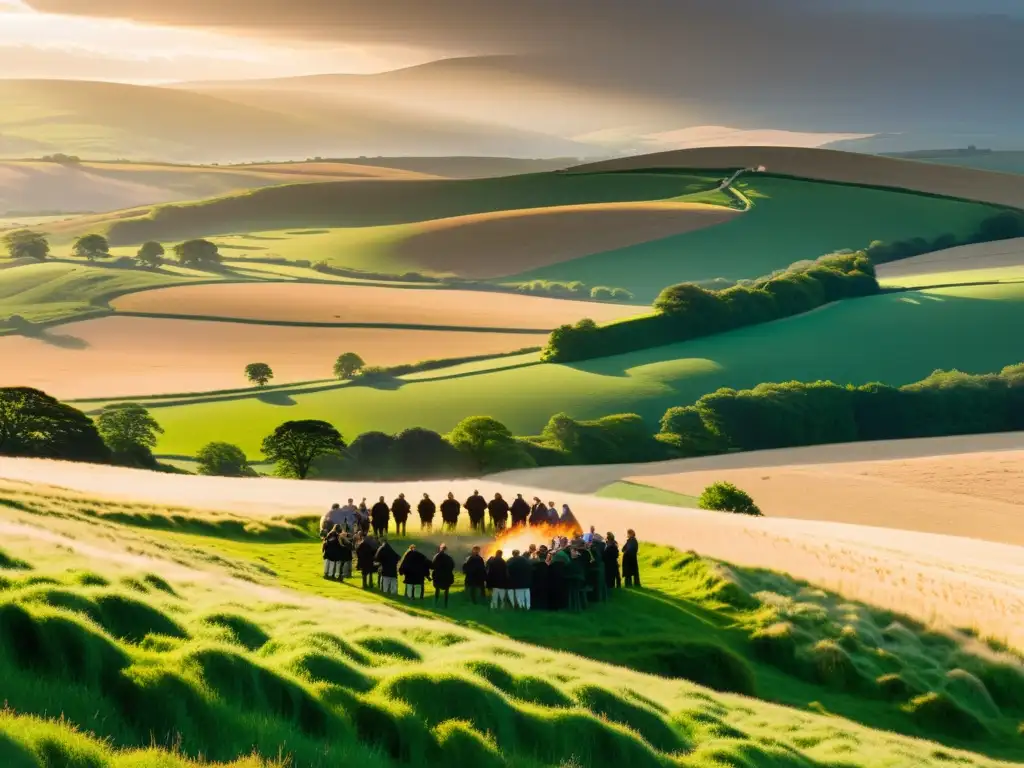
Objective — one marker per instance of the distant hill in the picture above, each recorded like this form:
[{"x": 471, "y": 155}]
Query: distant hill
[
  {"x": 1004, "y": 161},
  {"x": 113, "y": 121},
  {"x": 832, "y": 165},
  {"x": 27, "y": 187}
]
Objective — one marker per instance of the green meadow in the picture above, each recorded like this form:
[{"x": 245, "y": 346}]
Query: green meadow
[
  {"x": 896, "y": 338},
  {"x": 171, "y": 637},
  {"x": 791, "y": 220}
]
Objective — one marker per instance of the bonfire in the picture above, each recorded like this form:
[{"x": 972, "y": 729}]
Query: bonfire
[{"x": 522, "y": 536}]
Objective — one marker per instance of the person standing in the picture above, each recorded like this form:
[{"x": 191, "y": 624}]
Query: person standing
[
  {"x": 387, "y": 558},
  {"x": 365, "y": 554},
  {"x": 475, "y": 571},
  {"x": 350, "y": 517},
  {"x": 520, "y": 511},
  {"x": 538, "y": 512},
  {"x": 476, "y": 505},
  {"x": 498, "y": 508},
  {"x": 443, "y": 569},
  {"x": 630, "y": 563},
  {"x": 331, "y": 518},
  {"x": 345, "y": 541},
  {"x": 416, "y": 569},
  {"x": 539, "y": 598},
  {"x": 497, "y": 579},
  {"x": 426, "y": 510},
  {"x": 380, "y": 516},
  {"x": 400, "y": 510},
  {"x": 364, "y": 518},
  {"x": 450, "y": 508},
  {"x": 520, "y": 577},
  {"x": 331, "y": 549},
  {"x": 552, "y": 514},
  {"x": 611, "y": 562},
  {"x": 568, "y": 520}
]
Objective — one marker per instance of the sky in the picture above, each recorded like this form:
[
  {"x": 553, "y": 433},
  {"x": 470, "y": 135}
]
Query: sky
[
  {"x": 39, "y": 44},
  {"x": 161, "y": 40}
]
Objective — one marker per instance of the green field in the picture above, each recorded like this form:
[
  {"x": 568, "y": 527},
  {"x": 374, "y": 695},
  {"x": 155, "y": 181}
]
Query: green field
[
  {"x": 165, "y": 658},
  {"x": 956, "y": 277},
  {"x": 791, "y": 220},
  {"x": 51, "y": 291},
  {"x": 365, "y": 225},
  {"x": 895, "y": 338},
  {"x": 627, "y": 491}
]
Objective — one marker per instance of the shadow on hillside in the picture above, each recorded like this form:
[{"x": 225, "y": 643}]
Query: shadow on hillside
[
  {"x": 276, "y": 398},
  {"x": 59, "y": 340}
]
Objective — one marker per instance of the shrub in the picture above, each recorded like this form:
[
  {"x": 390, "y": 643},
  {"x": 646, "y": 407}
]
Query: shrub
[
  {"x": 726, "y": 497},
  {"x": 224, "y": 460}
]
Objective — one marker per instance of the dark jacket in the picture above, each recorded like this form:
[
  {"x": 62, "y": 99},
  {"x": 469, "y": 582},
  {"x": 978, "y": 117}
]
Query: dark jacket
[
  {"x": 539, "y": 514},
  {"x": 346, "y": 549},
  {"x": 400, "y": 509},
  {"x": 520, "y": 573},
  {"x": 365, "y": 553},
  {"x": 539, "y": 584},
  {"x": 611, "y": 555},
  {"x": 426, "y": 508},
  {"x": 415, "y": 567},
  {"x": 498, "y": 509},
  {"x": 388, "y": 560},
  {"x": 475, "y": 570},
  {"x": 443, "y": 569},
  {"x": 629, "y": 554},
  {"x": 450, "y": 509},
  {"x": 476, "y": 505},
  {"x": 497, "y": 573},
  {"x": 520, "y": 511},
  {"x": 380, "y": 514},
  {"x": 332, "y": 548}
]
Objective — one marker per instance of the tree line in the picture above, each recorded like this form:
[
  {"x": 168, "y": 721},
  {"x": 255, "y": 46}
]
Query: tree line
[
  {"x": 687, "y": 311},
  {"x": 197, "y": 254},
  {"x": 771, "y": 415}
]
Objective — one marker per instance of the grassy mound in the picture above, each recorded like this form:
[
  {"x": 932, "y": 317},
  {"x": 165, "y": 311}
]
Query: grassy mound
[{"x": 192, "y": 671}]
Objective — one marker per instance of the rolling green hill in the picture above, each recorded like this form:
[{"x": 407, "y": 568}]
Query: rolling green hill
[
  {"x": 791, "y": 220},
  {"x": 895, "y": 338},
  {"x": 372, "y": 225},
  {"x": 44, "y": 292},
  {"x": 164, "y": 658}
]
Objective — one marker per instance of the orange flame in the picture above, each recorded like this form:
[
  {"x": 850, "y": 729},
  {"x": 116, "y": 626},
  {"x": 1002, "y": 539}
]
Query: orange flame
[{"x": 521, "y": 537}]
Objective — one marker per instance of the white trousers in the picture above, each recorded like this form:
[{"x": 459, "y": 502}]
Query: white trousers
[
  {"x": 414, "y": 591},
  {"x": 498, "y": 597},
  {"x": 521, "y": 598},
  {"x": 332, "y": 568},
  {"x": 389, "y": 585}
]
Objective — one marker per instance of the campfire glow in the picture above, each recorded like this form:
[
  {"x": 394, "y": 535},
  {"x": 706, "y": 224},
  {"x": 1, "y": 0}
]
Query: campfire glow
[{"x": 521, "y": 537}]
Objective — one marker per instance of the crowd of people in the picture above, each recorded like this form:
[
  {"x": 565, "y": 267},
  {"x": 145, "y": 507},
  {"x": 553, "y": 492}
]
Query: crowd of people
[
  {"x": 498, "y": 511},
  {"x": 569, "y": 570}
]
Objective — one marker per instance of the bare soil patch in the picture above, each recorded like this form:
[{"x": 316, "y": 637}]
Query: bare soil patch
[
  {"x": 490, "y": 245},
  {"x": 833, "y": 165},
  {"x": 122, "y": 356},
  {"x": 314, "y": 303}
]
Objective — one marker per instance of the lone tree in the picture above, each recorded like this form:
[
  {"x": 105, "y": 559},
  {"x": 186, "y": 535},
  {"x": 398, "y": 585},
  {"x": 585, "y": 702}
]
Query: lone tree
[
  {"x": 24, "y": 243},
  {"x": 295, "y": 445},
  {"x": 130, "y": 433},
  {"x": 151, "y": 254},
  {"x": 348, "y": 365},
  {"x": 224, "y": 460},
  {"x": 91, "y": 247},
  {"x": 259, "y": 373},
  {"x": 489, "y": 444},
  {"x": 34, "y": 424},
  {"x": 201, "y": 254},
  {"x": 726, "y": 497}
]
